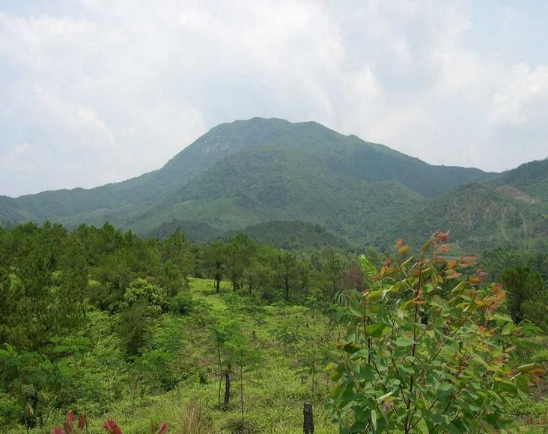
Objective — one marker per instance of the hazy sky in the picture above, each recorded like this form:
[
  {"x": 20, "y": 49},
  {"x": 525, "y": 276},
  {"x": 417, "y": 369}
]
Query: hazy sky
[{"x": 95, "y": 91}]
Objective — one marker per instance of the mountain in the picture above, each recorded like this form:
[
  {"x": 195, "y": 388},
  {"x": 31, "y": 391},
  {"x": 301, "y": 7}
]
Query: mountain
[
  {"x": 308, "y": 173},
  {"x": 256, "y": 171},
  {"x": 510, "y": 210}
]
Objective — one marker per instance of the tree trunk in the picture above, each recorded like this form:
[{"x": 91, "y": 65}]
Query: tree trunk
[
  {"x": 220, "y": 374},
  {"x": 227, "y": 389},
  {"x": 286, "y": 288},
  {"x": 308, "y": 424},
  {"x": 242, "y": 389},
  {"x": 218, "y": 277}
]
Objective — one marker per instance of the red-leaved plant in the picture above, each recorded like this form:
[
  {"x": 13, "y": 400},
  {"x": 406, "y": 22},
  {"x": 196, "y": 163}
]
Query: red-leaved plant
[
  {"x": 68, "y": 424},
  {"x": 110, "y": 426}
]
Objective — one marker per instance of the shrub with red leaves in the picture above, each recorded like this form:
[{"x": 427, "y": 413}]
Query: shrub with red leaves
[{"x": 112, "y": 427}]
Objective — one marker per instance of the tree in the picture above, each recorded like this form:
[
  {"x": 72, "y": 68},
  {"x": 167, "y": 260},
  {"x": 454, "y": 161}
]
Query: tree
[
  {"x": 239, "y": 253},
  {"x": 333, "y": 268},
  {"x": 227, "y": 335},
  {"x": 215, "y": 259},
  {"x": 424, "y": 350},
  {"x": 287, "y": 270},
  {"x": 522, "y": 286}
]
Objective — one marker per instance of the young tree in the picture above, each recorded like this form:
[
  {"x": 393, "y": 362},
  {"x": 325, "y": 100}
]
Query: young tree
[
  {"x": 425, "y": 351},
  {"x": 239, "y": 254},
  {"x": 287, "y": 271},
  {"x": 227, "y": 335},
  {"x": 333, "y": 268},
  {"x": 215, "y": 260}
]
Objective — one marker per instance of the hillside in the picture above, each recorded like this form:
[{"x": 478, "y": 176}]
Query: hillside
[
  {"x": 288, "y": 235},
  {"x": 480, "y": 216},
  {"x": 528, "y": 183},
  {"x": 255, "y": 171}
]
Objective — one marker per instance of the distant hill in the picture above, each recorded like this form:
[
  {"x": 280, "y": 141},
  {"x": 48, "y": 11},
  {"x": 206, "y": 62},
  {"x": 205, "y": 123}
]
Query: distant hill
[
  {"x": 198, "y": 232},
  {"x": 288, "y": 235},
  {"x": 292, "y": 235},
  {"x": 265, "y": 173},
  {"x": 480, "y": 216},
  {"x": 528, "y": 183}
]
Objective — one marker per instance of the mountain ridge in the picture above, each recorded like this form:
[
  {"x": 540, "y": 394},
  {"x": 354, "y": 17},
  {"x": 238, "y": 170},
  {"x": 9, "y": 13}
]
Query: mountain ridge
[{"x": 250, "y": 172}]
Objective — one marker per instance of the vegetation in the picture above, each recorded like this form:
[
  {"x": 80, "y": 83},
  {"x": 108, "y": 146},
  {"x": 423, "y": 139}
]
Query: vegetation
[
  {"x": 236, "y": 336},
  {"x": 425, "y": 351},
  {"x": 481, "y": 217}
]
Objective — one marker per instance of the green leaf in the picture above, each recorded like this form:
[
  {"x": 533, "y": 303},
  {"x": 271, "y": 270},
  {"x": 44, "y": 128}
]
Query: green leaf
[
  {"x": 355, "y": 307},
  {"x": 403, "y": 341},
  {"x": 380, "y": 399},
  {"x": 433, "y": 417},
  {"x": 502, "y": 317},
  {"x": 374, "y": 296},
  {"x": 526, "y": 368},
  {"x": 375, "y": 330},
  {"x": 496, "y": 351},
  {"x": 459, "y": 287},
  {"x": 522, "y": 383},
  {"x": 366, "y": 373},
  {"x": 508, "y": 328}
]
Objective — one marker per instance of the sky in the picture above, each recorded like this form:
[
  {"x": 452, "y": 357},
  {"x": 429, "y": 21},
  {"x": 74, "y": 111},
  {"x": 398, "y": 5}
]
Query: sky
[{"x": 98, "y": 91}]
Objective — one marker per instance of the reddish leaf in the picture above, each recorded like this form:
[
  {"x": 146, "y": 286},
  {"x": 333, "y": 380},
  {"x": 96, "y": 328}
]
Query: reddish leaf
[
  {"x": 475, "y": 280},
  {"x": 443, "y": 237},
  {"x": 58, "y": 430},
  {"x": 68, "y": 427},
  {"x": 82, "y": 421},
  {"x": 112, "y": 427}
]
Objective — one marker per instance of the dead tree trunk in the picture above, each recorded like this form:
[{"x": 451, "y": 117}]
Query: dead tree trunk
[{"x": 308, "y": 424}]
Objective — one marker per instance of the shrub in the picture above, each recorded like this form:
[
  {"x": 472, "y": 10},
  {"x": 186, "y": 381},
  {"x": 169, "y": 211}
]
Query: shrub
[
  {"x": 182, "y": 304},
  {"x": 425, "y": 349}
]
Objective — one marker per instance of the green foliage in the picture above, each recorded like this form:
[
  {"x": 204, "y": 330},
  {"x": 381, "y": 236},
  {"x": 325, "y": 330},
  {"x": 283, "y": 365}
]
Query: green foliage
[
  {"x": 495, "y": 261},
  {"x": 102, "y": 322},
  {"x": 480, "y": 217},
  {"x": 527, "y": 299},
  {"x": 141, "y": 291},
  {"x": 424, "y": 351}
]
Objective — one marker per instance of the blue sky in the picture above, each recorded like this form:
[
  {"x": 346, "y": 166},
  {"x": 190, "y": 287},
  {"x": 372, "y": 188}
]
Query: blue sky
[{"x": 97, "y": 91}]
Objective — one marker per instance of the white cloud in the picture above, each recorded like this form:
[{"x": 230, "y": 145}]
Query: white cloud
[
  {"x": 103, "y": 90},
  {"x": 523, "y": 100}
]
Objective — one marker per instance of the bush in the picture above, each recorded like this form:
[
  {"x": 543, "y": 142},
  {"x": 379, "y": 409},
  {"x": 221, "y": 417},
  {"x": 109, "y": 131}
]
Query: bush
[
  {"x": 425, "y": 348},
  {"x": 182, "y": 304}
]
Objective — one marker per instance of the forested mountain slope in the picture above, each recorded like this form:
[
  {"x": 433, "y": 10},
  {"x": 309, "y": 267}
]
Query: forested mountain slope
[
  {"x": 288, "y": 235},
  {"x": 480, "y": 216},
  {"x": 528, "y": 183},
  {"x": 257, "y": 171}
]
